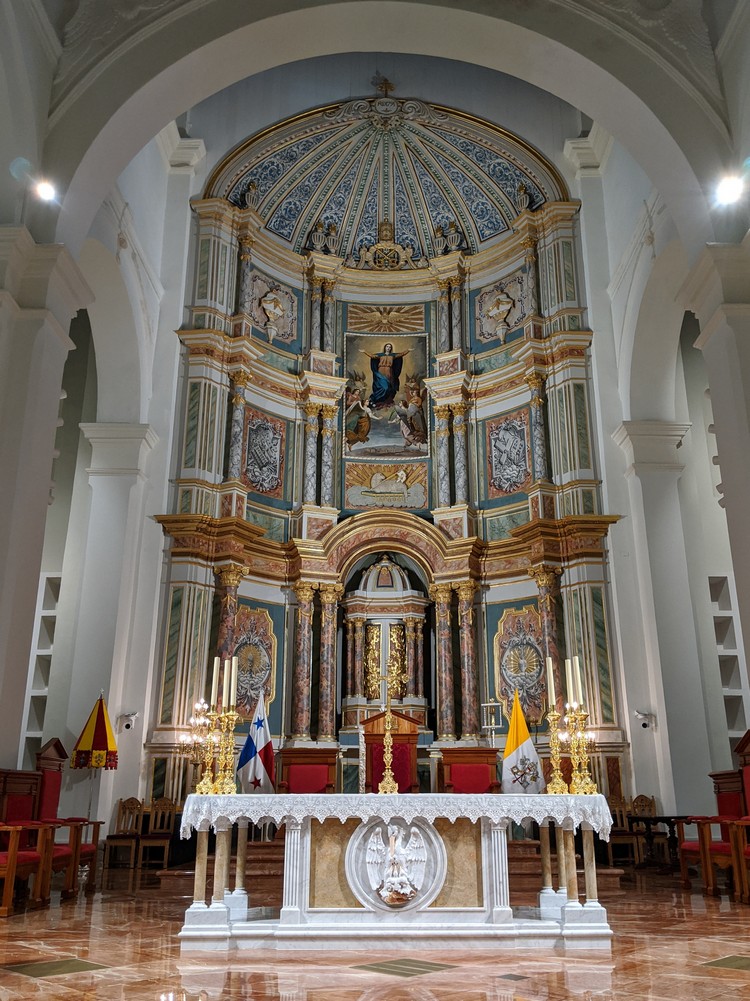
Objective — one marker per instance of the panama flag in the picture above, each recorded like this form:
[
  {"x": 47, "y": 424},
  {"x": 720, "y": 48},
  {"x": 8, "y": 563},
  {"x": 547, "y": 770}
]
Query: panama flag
[
  {"x": 255, "y": 767},
  {"x": 522, "y": 772}
]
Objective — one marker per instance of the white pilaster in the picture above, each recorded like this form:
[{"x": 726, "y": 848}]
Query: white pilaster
[{"x": 674, "y": 755}]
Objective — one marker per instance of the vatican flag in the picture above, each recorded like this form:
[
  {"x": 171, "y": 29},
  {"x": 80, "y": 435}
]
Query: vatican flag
[{"x": 522, "y": 772}]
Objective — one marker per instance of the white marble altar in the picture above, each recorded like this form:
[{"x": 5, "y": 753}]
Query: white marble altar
[{"x": 372, "y": 871}]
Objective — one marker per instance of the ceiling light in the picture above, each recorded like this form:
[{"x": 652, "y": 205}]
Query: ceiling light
[
  {"x": 45, "y": 191},
  {"x": 730, "y": 190}
]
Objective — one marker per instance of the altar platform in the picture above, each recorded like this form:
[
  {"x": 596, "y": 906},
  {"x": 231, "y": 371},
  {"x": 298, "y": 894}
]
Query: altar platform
[{"x": 396, "y": 871}]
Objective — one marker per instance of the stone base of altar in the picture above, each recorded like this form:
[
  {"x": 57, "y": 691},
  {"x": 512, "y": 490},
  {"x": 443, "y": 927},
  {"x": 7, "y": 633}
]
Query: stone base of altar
[{"x": 394, "y": 872}]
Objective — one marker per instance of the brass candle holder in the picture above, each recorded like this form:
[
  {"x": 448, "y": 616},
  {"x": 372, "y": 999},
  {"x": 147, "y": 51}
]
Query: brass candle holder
[
  {"x": 557, "y": 783},
  {"x": 226, "y": 783},
  {"x": 206, "y": 785},
  {"x": 581, "y": 781},
  {"x": 388, "y": 783}
]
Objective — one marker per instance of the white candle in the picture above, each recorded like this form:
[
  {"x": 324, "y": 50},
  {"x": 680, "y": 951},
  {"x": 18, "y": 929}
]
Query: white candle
[
  {"x": 235, "y": 669},
  {"x": 225, "y": 686},
  {"x": 579, "y": 686},
  {"x": 215, "y": 682},
  {"x": 569, "y": 681},
  {"x": 550, "y": 683}
]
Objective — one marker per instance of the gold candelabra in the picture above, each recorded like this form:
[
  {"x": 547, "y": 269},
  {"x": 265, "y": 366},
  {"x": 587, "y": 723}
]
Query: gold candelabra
[
  {"x": 557, "y": 783},
  {"x": 218, "y": 747},
  {"x": 575, "y": 724}
]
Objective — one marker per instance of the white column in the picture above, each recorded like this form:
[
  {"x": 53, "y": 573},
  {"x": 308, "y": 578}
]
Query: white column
[
  {"x": 40, "y": 290},
  {"x": 499, "y": 888},
  {"x": 296, "y": 871},
  {"x": 107, "y": 599},
  {"x": 673, "y": 756}
]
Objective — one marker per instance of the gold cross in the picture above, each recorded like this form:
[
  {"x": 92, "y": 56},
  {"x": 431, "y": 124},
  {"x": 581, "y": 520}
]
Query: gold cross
[{"x": 382, "y": 84}]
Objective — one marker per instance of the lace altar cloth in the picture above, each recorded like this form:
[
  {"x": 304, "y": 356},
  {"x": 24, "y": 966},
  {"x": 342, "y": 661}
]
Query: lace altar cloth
[{"x": 202, "y": 812}]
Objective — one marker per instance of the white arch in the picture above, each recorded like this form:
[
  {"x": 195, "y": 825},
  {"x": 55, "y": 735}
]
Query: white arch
[
  {"x": 136, "y": 91},
  {"x": 119, "y": 365},
  {"x": 648, "y": 360}
]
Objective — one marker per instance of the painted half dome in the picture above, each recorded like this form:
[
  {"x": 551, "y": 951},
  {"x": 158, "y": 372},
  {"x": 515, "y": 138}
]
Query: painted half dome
[{"x": 426, "y": 168}]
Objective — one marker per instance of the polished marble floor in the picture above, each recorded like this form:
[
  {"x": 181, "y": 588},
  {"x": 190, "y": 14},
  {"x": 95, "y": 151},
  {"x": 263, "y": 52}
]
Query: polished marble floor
[{"x": 121, "y": 945}]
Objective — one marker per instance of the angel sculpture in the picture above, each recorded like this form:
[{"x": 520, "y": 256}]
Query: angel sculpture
[{"x": 396, "y": 872}]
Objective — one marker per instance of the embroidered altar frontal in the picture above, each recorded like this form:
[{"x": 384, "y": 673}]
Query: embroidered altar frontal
[{"x": 363, "y": 871}]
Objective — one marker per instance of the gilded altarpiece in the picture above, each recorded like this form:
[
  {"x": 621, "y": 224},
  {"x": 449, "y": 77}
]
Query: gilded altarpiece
[{"x": 518, "y": 650}]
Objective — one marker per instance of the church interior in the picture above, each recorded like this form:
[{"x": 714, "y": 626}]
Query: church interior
[{"x": 374, "y": 348}]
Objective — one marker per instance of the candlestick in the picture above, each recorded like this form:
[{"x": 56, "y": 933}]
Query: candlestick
[
  {"x": 215, "y": 682},
  {"x": 569, "y": 681},
  {"x": 235, "y": 671},
  {"x": 225, "y": 686},
  {"x": 551, "y": 698},
  {"x": 577, "y": 677}
]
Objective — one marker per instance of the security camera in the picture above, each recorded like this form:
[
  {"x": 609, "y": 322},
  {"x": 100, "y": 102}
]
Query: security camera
[
  {"x": 647, "y": 719},
  {"x": 126, "y": 721}
]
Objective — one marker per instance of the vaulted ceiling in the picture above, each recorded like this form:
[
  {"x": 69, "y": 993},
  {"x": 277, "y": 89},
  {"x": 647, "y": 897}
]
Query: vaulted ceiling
[{"x": 359, "y": 163}]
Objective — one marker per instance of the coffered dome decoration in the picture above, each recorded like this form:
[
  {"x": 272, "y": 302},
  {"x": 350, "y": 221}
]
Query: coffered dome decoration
[{"x": 345, "y": 168}]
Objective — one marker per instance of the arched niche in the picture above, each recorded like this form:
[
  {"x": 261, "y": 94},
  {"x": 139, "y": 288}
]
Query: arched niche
[{"x": 373, "y": 532}]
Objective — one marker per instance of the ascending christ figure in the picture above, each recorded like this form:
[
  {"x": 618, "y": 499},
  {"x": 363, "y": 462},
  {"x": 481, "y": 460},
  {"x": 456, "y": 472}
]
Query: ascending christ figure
[{"x": 386, "y": 369}]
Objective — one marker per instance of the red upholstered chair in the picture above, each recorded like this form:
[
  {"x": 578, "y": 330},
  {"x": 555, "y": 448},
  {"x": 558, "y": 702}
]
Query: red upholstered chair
[
  {"x": 470, "y": 770},
  {"x": 690, "y": 849},
  {"x": 740, "y": 858},
  {"x": 308, "y": 769},
  {"x": 20, "y": 863}
]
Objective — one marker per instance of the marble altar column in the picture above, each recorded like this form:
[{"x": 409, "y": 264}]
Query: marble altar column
[
  {"x": 310, "y": 475},
  {"x": 201, "y": 867},
  {"x": 316, "y": 295},
  {"x": 548, "y": 581},
  {"x": 300, "y": 722},
  {"x": 329, "y": 309},
  {"x": 444, "y": 322},
  {"x": 227, "y": 584},
  {"x": 571, "y": 874},
  {"x": 535, "y": 382},
  {"x": 295, "y": 876},
  {"x": 329, "y": 599},
  {"x": 469, "y": 682},
  {"x": 330, "y": 413},
  {"x": 411, "y": 673},
  {"x": 419, "y": 658},
  {"x": 221, "y": 861},
  {"x": 234, "y": 468},
  {"x": 589, "y": 864},
  {"x": 245, "y": 272},
  {"x": 442, "y": 433},
  {"x": 456, "y": 325},
  {"x": 441, "y": 595},
  {"x": 359, "y": 657},
  {"x": 460, "y": 453},
  {"x": 499, "y": 887}
]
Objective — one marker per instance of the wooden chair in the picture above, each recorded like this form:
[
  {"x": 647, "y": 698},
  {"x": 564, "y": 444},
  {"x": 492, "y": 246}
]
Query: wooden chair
[
  {"x": 20, "y": 863},
  {"x": 690, "y": 850},
  {"x": 159, "y": 832},
  {"x": 308, "y": 769},
  {"x": 645, "y": 806},
  {"x": 621, "y": 836},
  {"x": 88, "y": 850},
  {"x": 127, "y": 832},
  {"x": 716, "y": 853},
  {"x": 470, "y": 770},
  {"x": 405, "y": 734},
  {"x": 740, "y": 858}
]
